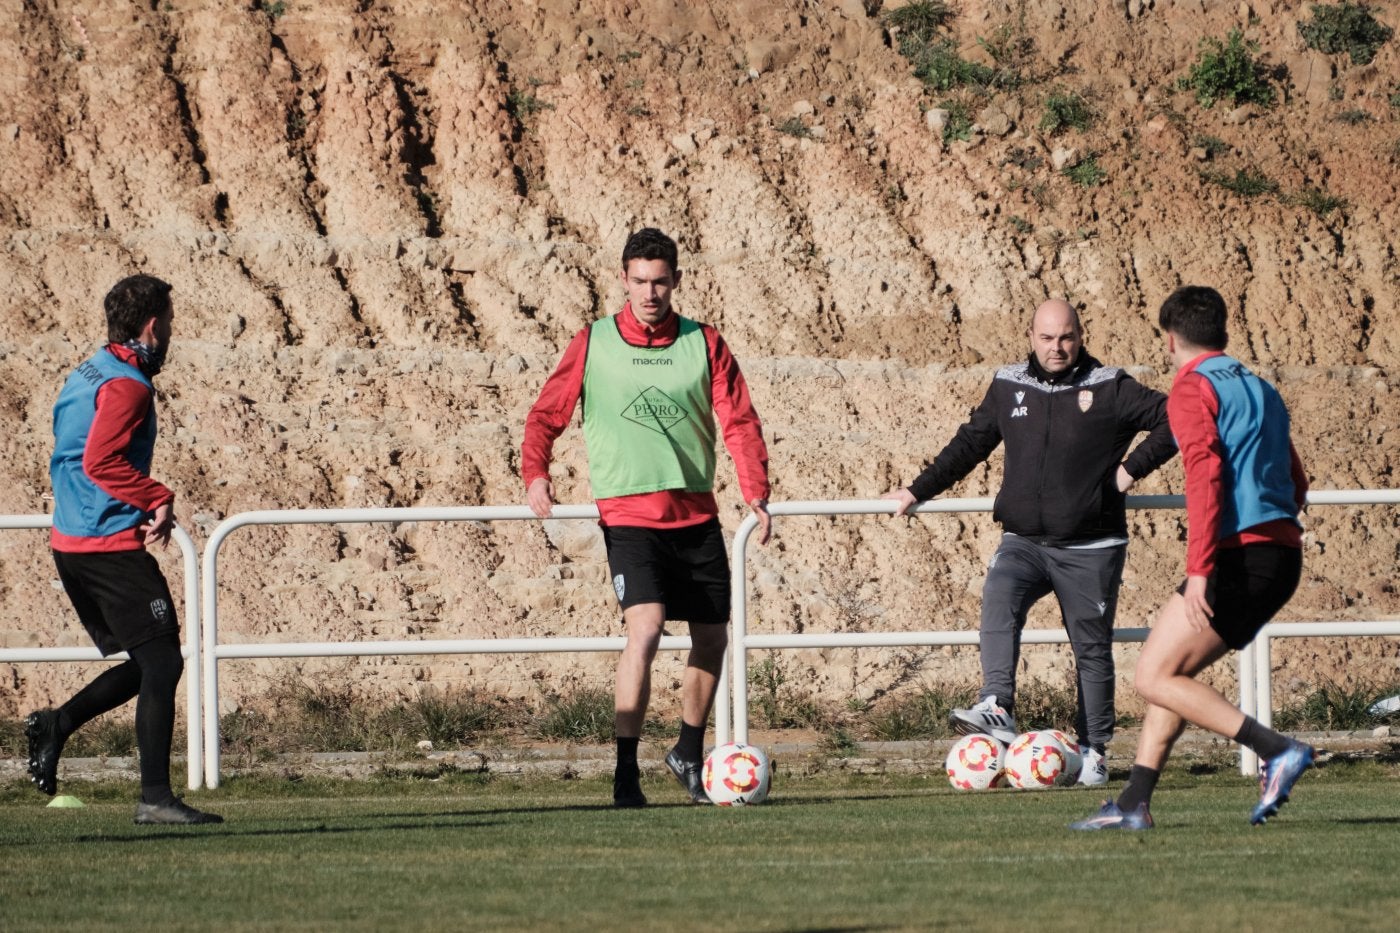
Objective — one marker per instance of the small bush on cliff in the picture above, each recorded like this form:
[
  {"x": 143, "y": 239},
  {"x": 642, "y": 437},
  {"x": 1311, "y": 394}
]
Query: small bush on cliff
[
  {"x": 1346, "y": 27},
  {"x": 1353, "y": 117},
  {"x": 523, "y": 105},
  {"x": 1086, "y": 173},
  {"x": 919, "y": 23},
  {"x": 1066, "y": 110},
  {"x": 793, "y": 126},
  {"x": 1318, "y": 201},
  {"x": 918, "y": 32},
  {"x": 959, "y": 125},
  {"x": 941, "y": 67},
  {"x": 1012, "y": 49},
  {"x": 1246, "y": 182},
  {"x": 1213, "y": 145},
  {"x": 1228, "y": 71}
]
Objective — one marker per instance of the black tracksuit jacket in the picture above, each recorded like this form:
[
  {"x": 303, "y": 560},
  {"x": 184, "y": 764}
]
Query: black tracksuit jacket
[{"x": 1065, "y": 437}]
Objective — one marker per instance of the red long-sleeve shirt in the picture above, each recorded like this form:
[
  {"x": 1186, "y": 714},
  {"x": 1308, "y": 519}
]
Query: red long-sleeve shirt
[
  {"x": 1193, "y": 409},
  {"x": 121, "y": 406},
  {"x": 739, "y": 422}
]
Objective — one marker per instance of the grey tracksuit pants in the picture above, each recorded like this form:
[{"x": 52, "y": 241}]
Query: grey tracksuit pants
[{"x": 1085, "y": 581}]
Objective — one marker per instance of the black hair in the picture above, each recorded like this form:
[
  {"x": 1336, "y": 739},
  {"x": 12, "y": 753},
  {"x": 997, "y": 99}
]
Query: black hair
[
  {"x": 650, "y": 243},
  {"x": 131, "y": 303},
  {"x": 1196, "y": 314}
]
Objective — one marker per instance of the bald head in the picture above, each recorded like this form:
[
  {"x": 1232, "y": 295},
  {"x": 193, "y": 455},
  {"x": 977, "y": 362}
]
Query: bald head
[
  {"x": 1056, "y": 312},
  {"x": 1056, "y": 336}
]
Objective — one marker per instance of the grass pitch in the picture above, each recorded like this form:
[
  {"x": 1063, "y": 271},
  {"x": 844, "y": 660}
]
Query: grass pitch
[{"x": 824, "y": 853}]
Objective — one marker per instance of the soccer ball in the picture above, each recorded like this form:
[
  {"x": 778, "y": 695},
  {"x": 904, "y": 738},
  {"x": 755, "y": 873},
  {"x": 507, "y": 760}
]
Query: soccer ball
[
  {"x": 737, "y": 775},
  {"x": 1034, "y": 760},
  {"x": 1074, "y": 759},
  {"x": 974, "y": 762}
]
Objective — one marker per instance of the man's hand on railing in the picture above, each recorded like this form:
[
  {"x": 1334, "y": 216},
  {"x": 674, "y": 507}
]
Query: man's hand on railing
[
  {"x": 904, "y": 497},
  {"x": 540, "y": 497},
  {"x": 765, "y": 521}
]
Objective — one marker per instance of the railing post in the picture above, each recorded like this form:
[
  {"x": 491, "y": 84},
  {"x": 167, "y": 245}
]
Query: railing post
[
  {"x": 739, "y": 613},
  {"x": 1249, "y": 705},
  {"x": 723, "y": 717},
  {"x": 210, "y": 617},
  {"x": 1264, "y": 664},
  {"x": 194, "y": 658}
]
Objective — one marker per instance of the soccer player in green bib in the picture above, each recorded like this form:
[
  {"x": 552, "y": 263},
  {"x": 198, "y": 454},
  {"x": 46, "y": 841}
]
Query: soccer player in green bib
[{"x": 653, "y": 385}]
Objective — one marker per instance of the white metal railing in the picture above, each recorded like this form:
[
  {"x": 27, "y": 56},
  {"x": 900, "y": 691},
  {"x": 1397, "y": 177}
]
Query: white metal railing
[
  {"x": 1263, "y": 646},
  {"x": 194, "y": 741},
  {"x": 1254, "y": 669},
  {"x": 1263, "y": 642},
  {"x": 731, "y": 718},
  {"x": 216, "y": 651}
]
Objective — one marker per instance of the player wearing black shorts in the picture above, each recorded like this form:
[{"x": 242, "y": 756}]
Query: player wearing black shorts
[
  {"x": 106, "y": 510},
  {"x": 652, "y": 385},
  {"x": 1245, "y": 487}
]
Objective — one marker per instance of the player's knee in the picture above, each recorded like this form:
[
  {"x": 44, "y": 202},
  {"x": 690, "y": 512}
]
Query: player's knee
[
  {"x": 161, "y": 662},
  {"x": 709, "y": 641},
  {"x": 643, "y": 645},
  {"x": 1148, "y": 685}
]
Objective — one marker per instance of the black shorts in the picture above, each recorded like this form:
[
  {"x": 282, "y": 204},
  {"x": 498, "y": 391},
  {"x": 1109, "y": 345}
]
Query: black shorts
[
  {"x": 1248, "y": 586},
  {"x": 121, "y": 596},
  {"x": 686, "y": 569}
]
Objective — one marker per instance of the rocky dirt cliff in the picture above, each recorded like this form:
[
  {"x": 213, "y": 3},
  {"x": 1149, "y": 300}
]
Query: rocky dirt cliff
[{"x": 384, "y": 220}]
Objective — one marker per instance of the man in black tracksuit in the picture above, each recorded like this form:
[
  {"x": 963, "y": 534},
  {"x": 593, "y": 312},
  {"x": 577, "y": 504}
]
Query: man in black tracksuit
[{"x": 1067, "y": 421}]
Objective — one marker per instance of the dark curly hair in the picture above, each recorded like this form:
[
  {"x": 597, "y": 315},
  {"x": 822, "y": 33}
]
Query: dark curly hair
[
  {"x": 650, "y": 243},
  {"x": 131, "y": 303},
  {"x": 1196, "y": 314}
]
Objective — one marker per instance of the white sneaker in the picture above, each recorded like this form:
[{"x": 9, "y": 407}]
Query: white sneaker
[
  {"x": 1094, "y": 770},
  {"x": 985, "y": 717}
]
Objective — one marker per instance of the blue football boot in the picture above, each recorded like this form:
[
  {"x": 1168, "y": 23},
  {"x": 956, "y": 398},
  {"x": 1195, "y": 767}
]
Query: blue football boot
[
  {"x": 1110, "y": 817},
  {"x": 1276, "y": 780}
]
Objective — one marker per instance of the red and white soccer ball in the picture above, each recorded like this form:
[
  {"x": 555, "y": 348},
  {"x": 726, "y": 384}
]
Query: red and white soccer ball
[
  {"x": 974, "y": 762},
  {"x": 1034, "y": 760},
  {"x": 737, "y": 775},
  {"x": 1074, "y": 759}
]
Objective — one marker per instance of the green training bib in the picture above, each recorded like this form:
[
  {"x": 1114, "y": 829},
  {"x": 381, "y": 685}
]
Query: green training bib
[{"x": 648, "y": 419}]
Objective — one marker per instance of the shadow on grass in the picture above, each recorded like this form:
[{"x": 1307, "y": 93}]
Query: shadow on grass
[
  {"x": 512, "y": 811},
  {"x": 676, "y": 805},
  {"x": 1370, "y": 820},
  {"x": 235, "y": 833}
]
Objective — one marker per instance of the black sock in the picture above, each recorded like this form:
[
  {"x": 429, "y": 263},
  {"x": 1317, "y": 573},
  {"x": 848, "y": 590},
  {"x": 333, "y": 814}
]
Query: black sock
[
  {"x": 1141, "y": 783},
  {"x": 161, "y": 666},
  {"x": 1265, "y": 742},
  {"x": 627, "y": 751},
  {"x": 161, "y": 793},
  {"x": 691, "y": 743},
  {"x": 110, "y": 689}
]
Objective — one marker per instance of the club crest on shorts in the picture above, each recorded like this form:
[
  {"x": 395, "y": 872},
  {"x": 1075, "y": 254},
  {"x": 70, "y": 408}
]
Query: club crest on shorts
[
  {"x": 160, "y": 609},
  {"x": 1086, "y": 400},
  {"x": 619, "y": 587}
]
